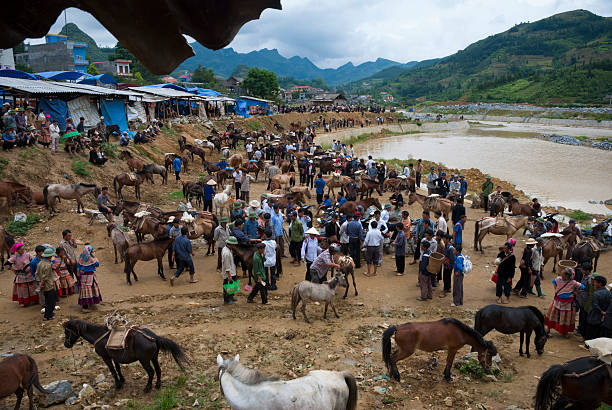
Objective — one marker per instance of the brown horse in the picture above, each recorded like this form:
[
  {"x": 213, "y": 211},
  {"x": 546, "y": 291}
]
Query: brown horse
[
  {"x": 204, "y": 225},
  {"x": 168, "y": 158},
  {"x": 193, "y": 150},
  {"x": 551, "y": 250},
  {"x": 335, "y": 181},
  {"x": 134, "y": 164},
  {"x": 13, "y": 191},
  {"x": 584, "y": 251},
  {"x": 349, "y": 207},
  {"x": 6, "y": 242},
  {"x": 244, "y": 253},
  {"x": 281, "y": 181},
  {"x": 235, "y": 161},
  {"x": 449, "y": 334},
  {"x": 255, "y": 168},
  {"x": 506, "y": 226},
  {"x": 38, "y": 198},
  {"x": 367, "y": 188},
  {"x": 146, "y": 252},
  {"x": 148, "y": 225},
  {"x": 431, "y": 204},
  {"x": 19, "y": 373},
  {"x": 124, "y": 179},
  {"x": 497, "y": 205},
  {"x": 211, "y": 168},
  {"x": 585, "y": 383},
  {"x": 521, "y": 209}
]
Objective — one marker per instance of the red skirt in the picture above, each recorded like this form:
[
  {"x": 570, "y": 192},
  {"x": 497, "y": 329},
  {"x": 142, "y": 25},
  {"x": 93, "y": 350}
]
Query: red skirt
[{"x": 24, "y": 293}]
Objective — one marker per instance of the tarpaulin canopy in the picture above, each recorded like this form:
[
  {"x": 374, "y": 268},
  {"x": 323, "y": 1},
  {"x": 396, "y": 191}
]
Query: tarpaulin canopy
[
  {"x": 83, "y": 107},
  {"x": 114, "y": 113},
  {"x": 102, "y": 78},
  {"x": 172, "y": 86},
  {"x": 204, "y": 91},
  {"x": 56, "y": 109},
  {"x": 16, "y": 74},
  {"x": 136, "y": 111},
  {"x": 62, "y": 75}
]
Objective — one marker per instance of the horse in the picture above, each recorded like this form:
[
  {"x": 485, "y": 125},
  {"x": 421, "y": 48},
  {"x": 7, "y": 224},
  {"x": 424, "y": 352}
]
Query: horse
[
  {"x": 497, "y": 205},
  {"x": 204, "y": 225},
  {"x": 554, "y": 249},
  {"x": 134, "y": 164},
  {"x": 348, "y": 267},
  {"x": 211, "y": 168},
  {"x": 223, "y": 200},
  {"x": 75, "y": 191},
  {"x": 349, "y": 207},
  {"x": 367, "y": 188},
  {"x": 509, "y": 320},
  {"x": 193, "y": 189},
  {"x": 148, "y": 225},
  {"x": 141, "y": 345},
  {"x": 280, "y": 181},
  {"x": 235, "y": 161},
  {"x": 584, "y": 251},
  {"x": 151, "y": 169},
  {"x": 449, "y": 334},
  {"x": 335, "y": 181},
  {"x": 431, "y": 204},
  {"x": 585, "y": 383},
  {"x": 255, "y": 168},
  {"x": 204, "y": 144},
  {"x": 244, "y": 254},
  {"x": 521, "y": 209},
  {"x": 19, "y": 373},
  {"x": 508, "y": 227},
  {"x": 155, "y": 249},
  {"x": 169, "y": 157},
  {"x": 37, "y": 198},
  {"x": 124, "y": 179},
  {"x": 308, "y": 291},
  {"x": 182, "y": 141},
  {"x": 245, "y": 388},
  {"x": 195, "y": 151},
  {"x": 119, "y": 239},
  {"x": 6, "y": 242},
  {"x": 13, "y": 190}
]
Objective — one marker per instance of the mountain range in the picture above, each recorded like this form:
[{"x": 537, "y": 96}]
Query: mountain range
[{"x": 224, "y": 61}]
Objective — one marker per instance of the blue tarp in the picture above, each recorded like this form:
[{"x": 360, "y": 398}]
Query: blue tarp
[
  {"x": 57, "y": 109},
  {"x": 62, "y": 75},
  {"x": 17, "y": 74},
  {"x": 241, "y": 108},
  {"x": 174, "y": 87},
  {"x": 114, "y": 113},
  {"x": 243, "y": 105},
  {"x": 102, "y": 78},
  {"x": 204, "y": 91}
]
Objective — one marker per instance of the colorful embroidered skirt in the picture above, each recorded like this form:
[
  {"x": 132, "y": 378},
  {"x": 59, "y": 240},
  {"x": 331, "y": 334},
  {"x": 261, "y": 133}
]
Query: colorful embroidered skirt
[
  {"x": 24, "y": 293},
  {"x": 66, "y": 285},
  {"x": 89, "y": 292},
  {"x": 561, "y": 316}
]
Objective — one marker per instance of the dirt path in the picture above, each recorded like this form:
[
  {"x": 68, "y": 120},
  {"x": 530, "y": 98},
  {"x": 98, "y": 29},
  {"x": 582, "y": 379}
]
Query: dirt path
[{"x": 266, "y": 337}]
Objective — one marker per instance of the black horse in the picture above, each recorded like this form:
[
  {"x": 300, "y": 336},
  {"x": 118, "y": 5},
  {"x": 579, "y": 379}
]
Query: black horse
[
  {"x": 585, "y": 384},
  {"x": 509, "y": 320},
  {"x": 141, "y": 345}
]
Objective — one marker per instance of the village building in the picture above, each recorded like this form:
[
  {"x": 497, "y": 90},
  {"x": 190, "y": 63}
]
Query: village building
[
  {"x": 328, "y": 99},
  {"x": 56, "y": 54}
]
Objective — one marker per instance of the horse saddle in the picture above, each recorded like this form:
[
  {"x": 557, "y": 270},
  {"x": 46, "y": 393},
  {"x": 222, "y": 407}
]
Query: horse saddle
[
  {"x": 594, "y": 243},
  {"x": 557, "y": 242},
  {"x": 132, "y": 176},
  {"x": 431, "y": 201},
  {"x": 118, "y": 336}
]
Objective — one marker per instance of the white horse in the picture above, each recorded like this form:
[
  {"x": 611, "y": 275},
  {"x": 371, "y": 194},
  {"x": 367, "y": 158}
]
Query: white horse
[
  {"x": 319, "y": 389},
  {"x": 222, "y": 200},
  {"x": 308, "y": 291},
  {"x": 204, "y": 144}
]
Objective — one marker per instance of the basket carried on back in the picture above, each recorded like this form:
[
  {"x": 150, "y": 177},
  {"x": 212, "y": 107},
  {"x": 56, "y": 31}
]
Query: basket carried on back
[{"x": 435, "y": 262}]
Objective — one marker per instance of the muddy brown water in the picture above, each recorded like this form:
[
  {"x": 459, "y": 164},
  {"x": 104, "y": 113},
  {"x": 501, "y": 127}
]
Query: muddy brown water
[{"x": 557, "y": 174}]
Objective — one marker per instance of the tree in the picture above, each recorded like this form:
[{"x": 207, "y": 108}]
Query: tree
[
  {"x": 92, "y": 69},
  {"x": 240, "y": 71},
  {"x": 261, "y": 83},
  {"x": 138, "y": 77},
  {"x": 122, "y": 53},
  {"x": 204, "y": 76}
]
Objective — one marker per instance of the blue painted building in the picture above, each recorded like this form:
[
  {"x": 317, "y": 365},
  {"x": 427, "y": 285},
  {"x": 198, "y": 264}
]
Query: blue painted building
[{"x": 56, "y": 54}]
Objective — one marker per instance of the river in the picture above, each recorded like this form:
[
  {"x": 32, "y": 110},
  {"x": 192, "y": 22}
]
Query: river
[{"x": 558, "y": 175}]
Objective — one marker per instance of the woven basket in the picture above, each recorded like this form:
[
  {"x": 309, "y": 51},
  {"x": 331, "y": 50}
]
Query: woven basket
[
  {"x": 567, "y": 263},
  {"x": 435, "y": 262}
]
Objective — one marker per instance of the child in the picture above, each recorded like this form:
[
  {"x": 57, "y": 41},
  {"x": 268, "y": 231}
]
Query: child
[
  {"x": 60, "y": 266},
  {"x": 458, "y": 277},
  {"x": 270, "y": 260},
  {"x": 260, "y": 275},
  {"x": 424, "y": 276}
]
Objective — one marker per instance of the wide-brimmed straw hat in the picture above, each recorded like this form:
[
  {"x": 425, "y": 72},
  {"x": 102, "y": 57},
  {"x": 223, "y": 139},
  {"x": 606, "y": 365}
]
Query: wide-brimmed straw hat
[
  {"x": 312, "y": 231},
  {"x": 211, "y": 182},
  {"x": 531, "y": 241},
  {"x": 254, "y": 203}
]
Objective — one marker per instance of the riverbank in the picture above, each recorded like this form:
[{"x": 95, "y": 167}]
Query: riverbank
[{"x": 565, "y": 122}]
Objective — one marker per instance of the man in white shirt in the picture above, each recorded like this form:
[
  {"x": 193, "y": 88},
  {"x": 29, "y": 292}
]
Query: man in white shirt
[
  {"x": 54, "y": 132},
  {"x": 310, "y": 250},
  {"x": 249, "y": 149},
  {"x": 440, "y": 224},
  {"x": 384, "y": 215},
  {"x": 370, "y": 162},
  {"x": 373, "y": 241},
  {"x": 344, "y": 238}
]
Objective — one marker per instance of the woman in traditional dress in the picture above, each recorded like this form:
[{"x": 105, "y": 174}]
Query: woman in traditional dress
[
  {"x": 45, "y": 134},
  {"x": 561, "y": 314},
  {"x": 89, "y": 292},
  {"x": 25, "y": 288},
  {"x": 60, "y": 267}
]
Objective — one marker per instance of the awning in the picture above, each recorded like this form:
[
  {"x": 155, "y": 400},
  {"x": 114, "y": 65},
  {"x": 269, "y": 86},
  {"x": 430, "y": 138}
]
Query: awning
[
  {"x": 63, "y": 75},
  {"x": 17, "y": 74}
]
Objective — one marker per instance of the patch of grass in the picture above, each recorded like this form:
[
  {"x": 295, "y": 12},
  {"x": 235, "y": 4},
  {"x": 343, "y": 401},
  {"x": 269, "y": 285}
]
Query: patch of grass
[
  {"x": 142, "y": 152},
  {"x": 254, "y": 125},
  {"x": 472, "y": 369},
  {"x": 391, "y": 399},
  {"x": 166, "y": 399},
  {"x": 155, "y": 150},
  {"x": 508, "y": 377},
  {"x": 177, "y": 195},
  {"x": 3, "y": 163},
  {"x": 583, "y": 138},
  {"x": 110, "y": 150},
  {"x": 580, "y": 216},
  {"x": 169, "y": 131},
  {"x": 20, "y": 228},
  {"x": 80, "y": 167},
  {"x": 494, "y": 394}
]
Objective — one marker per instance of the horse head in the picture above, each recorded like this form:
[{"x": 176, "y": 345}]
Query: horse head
[
  {"x": 109, "y": 228},
  {"x": 485, "y": 356},
  {"x": 71, "y": 333},
  {"x": 540, "y": 341},
  {"x": 340, "y": 278}
]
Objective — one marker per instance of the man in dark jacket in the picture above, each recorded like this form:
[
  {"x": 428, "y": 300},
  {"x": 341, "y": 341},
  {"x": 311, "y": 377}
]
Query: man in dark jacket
[
  {"x": 601, "y": 302},
  {"x": 458, "y": 211},
  {"x": 182, "y": 254}
]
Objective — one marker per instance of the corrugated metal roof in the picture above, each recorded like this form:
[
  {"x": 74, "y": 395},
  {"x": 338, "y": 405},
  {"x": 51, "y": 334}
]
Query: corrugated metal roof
[
  {"x": 247, "y": 97},
  {"x": 100, "y": 90},
  {"x": 38, "y": 87},
  {"x": 165, "y": 92}
]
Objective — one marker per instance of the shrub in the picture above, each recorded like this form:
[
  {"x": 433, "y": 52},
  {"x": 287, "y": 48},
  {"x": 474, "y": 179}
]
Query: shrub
[
  {"x": 472, "y": 369},
  {"x": 20, "y": 228},
  {"x": 110, "y": 150},
  {"x": 80, "y": 167},
  {"x": 580, "y": 216}
]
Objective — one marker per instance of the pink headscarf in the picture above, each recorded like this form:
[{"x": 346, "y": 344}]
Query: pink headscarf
[{"x": 15, "y": 247}]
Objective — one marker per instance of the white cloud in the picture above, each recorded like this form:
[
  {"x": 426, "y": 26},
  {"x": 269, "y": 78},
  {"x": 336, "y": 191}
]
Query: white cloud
[{"x": 331, "y": 33}]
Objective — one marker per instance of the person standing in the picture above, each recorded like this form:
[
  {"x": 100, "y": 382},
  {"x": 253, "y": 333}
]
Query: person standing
[
  {"x": 270, "y": 261},
  {"x": 209, "y": 194},
  {"x": 448, "y": 265},
  {"x": 44, "y": 273},
  {"x": 373, "y": 241},
  {"x": 260, "y": 276},
  {"x": 458, "y": 211},
  {"x": 81, "y": 125},
  {"x": 173, "y": 231},
  {"x": 400, "y": 250},
  {"x": 458, "y": 277},
  {"x": 319, "y": 184},
  {"x": 69, "y": 246},
  {"x": 220, "y": 236},
  {"x": 228, "y": 268},
  {"x": 522, "y": 287},
  {"x": 431, "y": 181},
  {"x": 54, "y": 132},
  {"x": 182, "y": 253},
  {"x": 277, "y": 219},
  {"x": 251, "y": 226},
  {"x": 89, "y": 291},
  {"x": 237, "y": 174},
  {"x": 458, "y": 231},
  {"x": 487, "y": 189},
  {"x": 296, "y": 236},
  {"x": 310, "y": 250},
  {"x": 177, "y": 166},
  {"x": 420, "y": 234},
  {"x": 245, "y": 186},
  {"x": 25, "y": 288},
  {"x": 418, "y": 173},
  {"x": 344, "y": 238},
  {"x": 464, "y": 186},
  {"x": 537, "y": 262},
  {"x": 572, "y": 228},
  {"x": 601, "y": 301},
  {"x": 561, "y": 314},
  {"x": 505, "y": 273},
  {"x": 440, "y": 224},
  {"x": 424, "y": 275},
  {"x": 60, "y": 266},
  {"x": 354, "y": 230}
]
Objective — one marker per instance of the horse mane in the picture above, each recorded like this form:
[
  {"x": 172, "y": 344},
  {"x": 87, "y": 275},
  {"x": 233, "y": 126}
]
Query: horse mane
[
  {"x": 80, "y": 325},
  {"x": 88, "y": 185},
  {"x": 536, "y": 312},
  {"x": 245, "y": 375},
  {"x": 468, "y": 330}
]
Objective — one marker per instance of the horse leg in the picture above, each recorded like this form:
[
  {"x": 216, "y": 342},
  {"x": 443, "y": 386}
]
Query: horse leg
[
  {"x": 150, "y": 373},
  {"x": 354, "y": 284},
  {"x": 118, "y": 368},
  {"x": 19, "y": 394},
  {"x": 346, "y": 291},
  {"x": 450, "y": 358},
  {"x": 160, "y": 268},
  {"x": 157, "y": 371},
  {"x": 115, "y": 249},
  {"x": 400, "y": 354},
  {"x": 109, "y": 364},
  {"x": 521, "y": 346},
  {"x": 331, "y": 302},
  {"x": 303, "y": 309},
  {"x": 325, "y": 312},
  {"x": 134, "y": 273},
  {"x": 527, "y": 338}
]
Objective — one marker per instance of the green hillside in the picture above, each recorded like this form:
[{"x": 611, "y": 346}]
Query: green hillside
[
  {"x": 563, "y": 58},
  {"x": 94, "y": 53}
]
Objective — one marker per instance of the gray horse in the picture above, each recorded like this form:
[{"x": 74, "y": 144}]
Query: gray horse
[
  {"x": 151, "y": 169},
  {"x": 309, "y": 291},
  {"x": 53, "y": 192}
]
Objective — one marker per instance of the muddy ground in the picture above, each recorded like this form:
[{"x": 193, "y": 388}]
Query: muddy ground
[{"x": 266, "y": 337}]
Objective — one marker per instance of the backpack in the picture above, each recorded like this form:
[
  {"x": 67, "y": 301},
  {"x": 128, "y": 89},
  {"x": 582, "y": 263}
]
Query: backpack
[{"x": 467, "y": 264}]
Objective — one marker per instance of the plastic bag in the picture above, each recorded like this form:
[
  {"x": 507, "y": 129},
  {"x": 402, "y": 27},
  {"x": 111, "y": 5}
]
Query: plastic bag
[{"x": 232, "y": 287}]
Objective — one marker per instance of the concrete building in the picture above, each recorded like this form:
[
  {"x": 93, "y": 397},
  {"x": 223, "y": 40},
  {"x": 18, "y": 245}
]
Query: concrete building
[
  {"x": 57, "y": 54},
  {"x": 328, "y": 99},
  {"x": 118, "y": 67},
  {"x": 6, "y": 59}
]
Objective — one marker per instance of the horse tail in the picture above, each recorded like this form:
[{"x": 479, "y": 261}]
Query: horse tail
[
  {"x": 476, "y": 233},
  {"x": 349, "y": 379},
  {"x": 45, "y": 196},
  {"x": 169, "y": 346},
  {"x": 115, "y": 184},
  {"x": 386, "y": 347},
  {"x": 127, "y": 268},
  {"x": 547, "y": 387},
  {"x": 34, "y": 377},
  {"x": 478, "y": 322}
]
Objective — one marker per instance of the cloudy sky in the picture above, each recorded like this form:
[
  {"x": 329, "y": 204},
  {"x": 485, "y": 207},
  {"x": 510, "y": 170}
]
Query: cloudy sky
[{"x": 331, "y": 33}]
